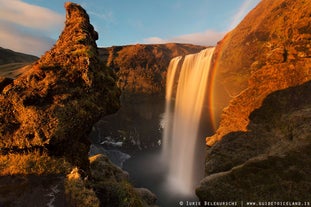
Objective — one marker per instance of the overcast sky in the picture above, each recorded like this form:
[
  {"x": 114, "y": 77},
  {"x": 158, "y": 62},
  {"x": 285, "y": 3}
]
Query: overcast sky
[{"x": 33, "y": 26}]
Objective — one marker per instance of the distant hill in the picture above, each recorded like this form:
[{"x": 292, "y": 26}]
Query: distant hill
[
  {"x": 9, "y": 56},
  {"x": 141, "y": 68},
  {"x": 14, "y": 63}
]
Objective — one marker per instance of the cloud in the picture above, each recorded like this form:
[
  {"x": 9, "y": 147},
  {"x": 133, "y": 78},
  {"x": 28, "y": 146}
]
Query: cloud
[
  {"x": 207, "y": 38},
  {"x": 28, "y": 28},
  {"x": 16, "y": 39},
  {"x": 28, "y": 15}
]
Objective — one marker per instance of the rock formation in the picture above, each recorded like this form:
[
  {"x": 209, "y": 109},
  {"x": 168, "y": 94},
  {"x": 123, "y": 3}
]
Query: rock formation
[
  {"x": 46, "y": 115},
  {"x": 268, "y": 51},
  {"x": 58, "y": 100},
  {"x": 141, "y": 69},
  {"x": 261, "y": 150}
]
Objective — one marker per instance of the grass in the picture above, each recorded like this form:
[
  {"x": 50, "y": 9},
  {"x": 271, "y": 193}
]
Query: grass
[
  {"x": 77, "y": 193},
  {"x": 12, "y": 70},
  {"x": 87, "y": 51},
  {"x": 32, "y": 163},
  {"x": 112, "y": 185}
]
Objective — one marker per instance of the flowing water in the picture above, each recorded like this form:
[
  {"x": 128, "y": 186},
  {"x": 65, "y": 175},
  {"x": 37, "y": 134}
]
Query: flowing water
[{"x": 186, "y": 91}]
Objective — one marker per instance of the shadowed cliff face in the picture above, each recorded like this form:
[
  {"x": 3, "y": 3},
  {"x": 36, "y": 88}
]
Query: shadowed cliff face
[
  {"x": 141, "y": 69},
  {"x": 269, "y": 162},
  {"x": 268, "y": 51}
]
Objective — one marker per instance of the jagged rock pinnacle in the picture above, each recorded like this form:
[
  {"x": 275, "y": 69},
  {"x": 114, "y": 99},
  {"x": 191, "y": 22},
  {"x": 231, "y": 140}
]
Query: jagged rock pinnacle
[{"x": 55, "y": 103}]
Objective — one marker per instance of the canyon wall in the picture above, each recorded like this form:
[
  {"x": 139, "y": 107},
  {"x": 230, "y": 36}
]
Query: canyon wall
[{"x": 141, "y": 69}]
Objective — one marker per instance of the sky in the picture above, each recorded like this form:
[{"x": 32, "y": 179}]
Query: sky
[{"x": 33, "y": 26}]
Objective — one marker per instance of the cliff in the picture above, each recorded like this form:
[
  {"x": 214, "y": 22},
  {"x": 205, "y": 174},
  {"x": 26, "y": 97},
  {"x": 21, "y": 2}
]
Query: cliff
[
  {"x": 261, "y": 149},
  {"x": 46, "y": 116},
  {"x": 141, "y": 69},
  {"x": 269, "y": 162},
  {"x": 268, "y": 51}
]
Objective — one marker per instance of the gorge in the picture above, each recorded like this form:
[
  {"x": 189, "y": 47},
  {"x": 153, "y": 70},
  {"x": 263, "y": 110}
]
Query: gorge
[{"x": 82, "y": 115}]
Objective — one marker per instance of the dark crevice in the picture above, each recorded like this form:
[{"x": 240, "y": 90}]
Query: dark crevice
[
  {"x": 30, "y": 136},
  {"x": 37, "y": 100},
  {"x": 285, "y": 55},
  {"x": 16, "y": 150},
  {"x": 5, "y": 82}
]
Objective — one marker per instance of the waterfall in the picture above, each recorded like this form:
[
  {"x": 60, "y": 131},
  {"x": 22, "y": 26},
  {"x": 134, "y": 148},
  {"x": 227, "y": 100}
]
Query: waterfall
[{"x": 182, "y": 116}]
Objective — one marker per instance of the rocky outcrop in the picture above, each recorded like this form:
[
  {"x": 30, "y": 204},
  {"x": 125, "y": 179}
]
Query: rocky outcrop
[
  {"x": 46, "y": 116},
  {"x": 113, "y": 188},
  {"x": 141, "y": 69},
  {"x": 268, "y": 51},
  {"x": 54, "y": 105},
  {"x": 269, "y": 162}
]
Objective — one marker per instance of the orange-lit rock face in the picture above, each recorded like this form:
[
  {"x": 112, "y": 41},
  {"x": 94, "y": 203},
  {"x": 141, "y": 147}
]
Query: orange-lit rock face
[
  {"x": 56, "y": 102},
  {"x": 268, "y": 51},
  {"x": 141, "y": 69}
]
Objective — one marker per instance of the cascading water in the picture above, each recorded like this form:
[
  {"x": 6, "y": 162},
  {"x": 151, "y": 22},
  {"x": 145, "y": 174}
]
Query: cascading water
[{"x": 182, "y": 116}]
